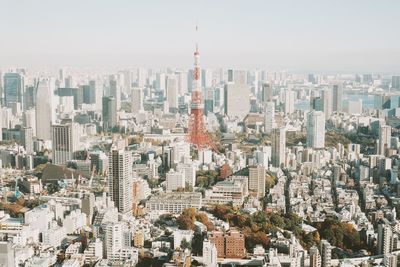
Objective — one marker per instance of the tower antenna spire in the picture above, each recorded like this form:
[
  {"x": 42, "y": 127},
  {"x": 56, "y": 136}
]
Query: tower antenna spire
[{"x": 197, "y": 30}]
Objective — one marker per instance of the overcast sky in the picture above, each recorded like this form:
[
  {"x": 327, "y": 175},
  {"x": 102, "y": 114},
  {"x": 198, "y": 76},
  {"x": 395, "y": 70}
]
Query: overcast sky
[{"x": 339, "y": 35}]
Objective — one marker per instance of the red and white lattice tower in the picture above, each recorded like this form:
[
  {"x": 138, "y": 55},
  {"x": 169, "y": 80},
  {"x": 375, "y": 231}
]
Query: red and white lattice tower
[{"x": 197, "y": 133}]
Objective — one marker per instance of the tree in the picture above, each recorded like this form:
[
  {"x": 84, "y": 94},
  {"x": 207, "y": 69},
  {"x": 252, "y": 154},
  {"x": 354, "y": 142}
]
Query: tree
[
  {"x": 277, "y": 220},
  {"x": 185, "y": 222},
  {"x": 222, "y": 211},
  {"x": 191, "y": 213},
  {"x": 270, "y": 181},
  {"x": 185, "y": 244},
  {"x": 316, "y": 237},
  {"x": 202, "y": 217},
  {"x": 197, "y": 242},
  {"x": 152, "y": 183}
]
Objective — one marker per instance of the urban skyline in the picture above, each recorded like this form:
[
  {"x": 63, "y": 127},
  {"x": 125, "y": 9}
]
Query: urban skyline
[{"x": 200, "y": 166}]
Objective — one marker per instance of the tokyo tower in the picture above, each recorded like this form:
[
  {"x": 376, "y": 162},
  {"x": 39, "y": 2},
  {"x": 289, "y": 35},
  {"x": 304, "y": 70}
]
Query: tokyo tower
[{"x": 197, "y": 133}]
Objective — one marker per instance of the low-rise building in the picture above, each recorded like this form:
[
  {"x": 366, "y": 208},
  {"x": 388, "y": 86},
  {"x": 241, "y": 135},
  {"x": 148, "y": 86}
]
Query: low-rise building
[{"x": 175, "y": 202}]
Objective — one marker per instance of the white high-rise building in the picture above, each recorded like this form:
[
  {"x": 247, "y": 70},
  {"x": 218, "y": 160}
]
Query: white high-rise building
[
  {"x": 29, "y": 120},
  {"x": 385, "y": 134},
  {"x": 269, "y": 117},
  {"x": 189, "y": 172},
  {"x": 315, "y": 257},
  {"x": 65, "y": 141},
  {"x": 118, "y": 243},
  {"x": 120, "y": 179},
  {"x": 237, "y": 100},
  {"x": 337, "y": 97},
  {"x": 45, "y": 113},
  {"x": 267, "y": 93},
  {"x": 257, "y": 180},
  {"x": 289, "y": 102},
  {"x": 161, "y": 79},
  {"x": 172, "y": 92},
  {"x": 326, "y": 253},
  {"x": 27, "y": 139},
  {"x": 141, "y": 77},
  {"x": 209, "y": 254},
  {"x": 206, "y": 78},
  {"x": 115, "y": 90},
  {"x": 316, "y": 129},
  {"x": 114, "y": 238},
  {"x": 175, "y": 180},
  {"x": 385, "y": 238},
  {"x": 137, "y": 100},
  {"x": 96, "y": 90},
  {"x": 182, "y": 82},
  {"x": 278, "y": 147},
  {"x": 326, "y": 98},
  {"x": 127, "y": 74},
  {"x": 237, "y": 76}
]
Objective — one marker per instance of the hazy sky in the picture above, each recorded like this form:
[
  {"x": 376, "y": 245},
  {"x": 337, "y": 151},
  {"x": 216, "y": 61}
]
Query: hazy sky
[{"x": 342, "y": 35}]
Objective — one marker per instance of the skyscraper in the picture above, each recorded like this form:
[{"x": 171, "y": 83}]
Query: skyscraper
[
  {"x": 385, "y": 134},
  {"x": 75, "y": 93},
  {"x": 209, "y": 100},
  {"x": 65, "y": 142},
  {"x": 120, "y": 179},
  {"x": 88, "y": 207},
  {"x": 115, "y": 91},
  {"x": 278, "y": 147},
  {"x": 161, "y": 79},
  {"x": 127, "y": 74},
  {"x": 109, "y": 113},
  {"x": 172, "y": 92},
  {"x": 269, "y": 117},
  {"x": 239, "y": 77},
  {"x": 396, "y": 82},
  {"x": 29, "y": 120},
  {"x": 96, "y": 93},
  {"x": 326, "y": 97},
  {"x": 206, "y": 78},
  {"x": 317, "y": 103},
  {"x": 13, "y": 88},
  {"x": 257, "y": 180},
  {"x": 237, "y": 100},
  {"x": 45, "y": 112},
  {"x": 141, "y": 77},
  {"x": 136, "y": 100},
  {"x": 266, "y": 93},
  {"x": 315, "y": 129},
  {"x": 182, "y": 82},
  {"x": 27, "y": 139},
  {"x": 289, "y": 102},
  {"x": 30, "y": 97},
  {"x": 337, "y": 97}
]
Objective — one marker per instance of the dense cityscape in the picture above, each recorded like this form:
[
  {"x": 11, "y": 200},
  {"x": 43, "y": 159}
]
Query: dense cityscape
[{"x": 199, "y": 166}]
